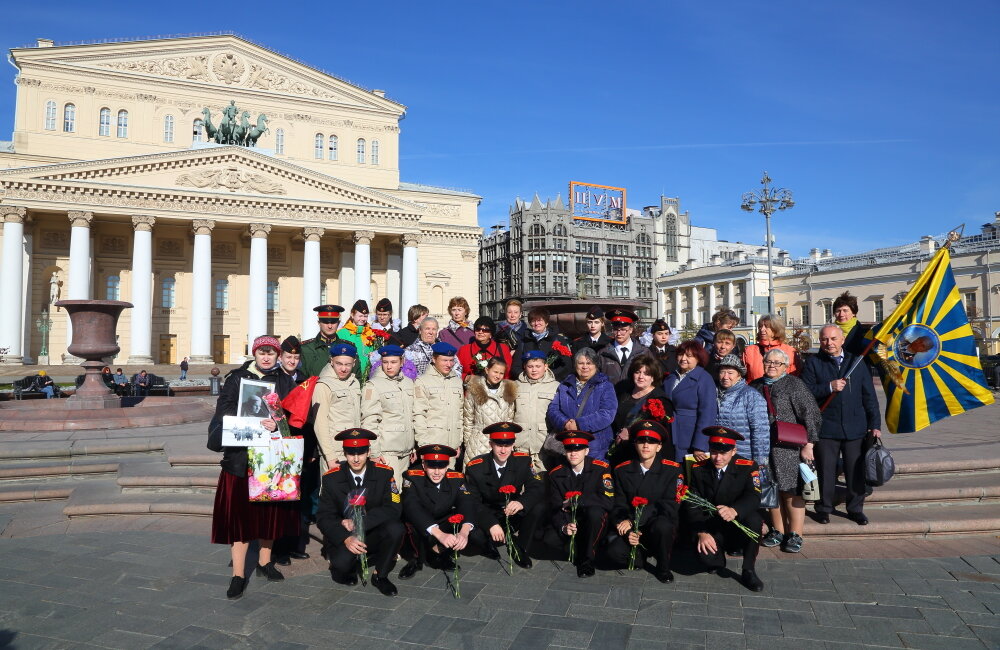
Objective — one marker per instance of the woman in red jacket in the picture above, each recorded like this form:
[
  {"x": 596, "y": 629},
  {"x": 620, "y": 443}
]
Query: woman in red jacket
[{"x": 475, "y": 355}]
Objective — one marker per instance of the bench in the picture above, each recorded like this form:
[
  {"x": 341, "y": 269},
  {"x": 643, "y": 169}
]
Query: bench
[
  {"x": 25, "y": 387},
  {"x": 157, "y": 384}
]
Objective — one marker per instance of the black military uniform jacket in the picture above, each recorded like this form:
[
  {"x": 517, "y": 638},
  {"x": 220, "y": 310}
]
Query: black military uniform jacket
[
  {"x": 594, "y": 482},
  {"x": 658, "y": 485},
  {"x": 739, "y": 489},
  {"x": 585, "y": 341},
  {"x": 484, "y": 484},
  {"x": 426, "y": 504},
  {"x": 382, "y": 500}
]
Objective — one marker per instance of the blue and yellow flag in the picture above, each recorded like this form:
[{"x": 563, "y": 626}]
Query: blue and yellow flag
[{"x": 928, "y": 359}]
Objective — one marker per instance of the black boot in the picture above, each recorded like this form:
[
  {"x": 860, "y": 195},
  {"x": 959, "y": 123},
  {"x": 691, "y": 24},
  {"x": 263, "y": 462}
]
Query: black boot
[
  {"x": 236, "y": 587},
  {"x": 751, "y": 581},
  {"x": 585, "y": 569},
  {"x": 383, "y": 585},
  {"x": 410, "y": 569},
  {"x": 269, "y": 570}
]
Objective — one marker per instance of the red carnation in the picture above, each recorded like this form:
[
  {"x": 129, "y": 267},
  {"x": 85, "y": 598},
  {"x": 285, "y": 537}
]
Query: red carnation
[
  {"x": 682, "y": 491},
  {"x": 570, "y": 495},
  {"x": 655, "y": 408},
  {"x": 508, "y": 489},
  {"x": 455, "y": 519},
  {"x": 561, "y": 348},
  {"x": 381, "y": 333},
  {"x": 639, "y": 501},
  {"x": 358, "y": 500}
]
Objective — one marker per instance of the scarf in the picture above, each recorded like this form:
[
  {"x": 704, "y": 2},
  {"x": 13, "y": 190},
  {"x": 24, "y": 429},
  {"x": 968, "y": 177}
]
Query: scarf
[
  {"x": 847, "y": 326},
  {"x": 539, "y": 336},
  {"x": 452, "y": 325},
  {"x": 768, "y": 381}
]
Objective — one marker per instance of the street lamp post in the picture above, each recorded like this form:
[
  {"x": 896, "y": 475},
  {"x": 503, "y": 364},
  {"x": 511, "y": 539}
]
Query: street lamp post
[
  {"x": 770, "y": 199},
  {"x": 44, "y": 323}
]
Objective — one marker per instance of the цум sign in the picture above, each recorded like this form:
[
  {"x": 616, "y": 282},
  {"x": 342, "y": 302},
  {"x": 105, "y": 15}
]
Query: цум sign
[{"x": 597, "y": 202}]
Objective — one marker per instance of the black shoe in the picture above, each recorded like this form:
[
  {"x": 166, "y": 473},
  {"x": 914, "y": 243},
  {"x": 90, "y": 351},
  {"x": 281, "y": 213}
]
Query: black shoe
[
  {"x": 490, "y": 552},
  {"x": 236, "y": 587},
  {"x": 858, "y": 517},
  {"x": 585, "y": 569},
  {"x": 273, "y": 575},
  {"x": 521, "y": 559},
  {"x": 666, "y": 577},
  {"x": 348, "y": 580},
  {"x": 822, "y": 518},
  {"x": 751, "y": 581},
  {"x": 410, "y": 570},
  {"x": 446, "y": 563},
  {"x": 736, "y": 552},
  {"x": 712, "y": 570},
  {"x": 295, "y": 555},
  {"x": 383, "y": 585},
  {"x": 285, "y": 560}
]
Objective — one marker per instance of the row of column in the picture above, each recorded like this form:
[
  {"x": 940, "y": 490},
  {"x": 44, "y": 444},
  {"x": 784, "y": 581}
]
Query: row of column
[
  {"x": 140, "y": 352},
  {"x": 730, "y": 288}
]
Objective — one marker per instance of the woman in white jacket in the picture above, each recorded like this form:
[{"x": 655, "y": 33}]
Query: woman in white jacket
[
  {"x": 535, "y": 389},
  {"x": 488, "y": 399}
]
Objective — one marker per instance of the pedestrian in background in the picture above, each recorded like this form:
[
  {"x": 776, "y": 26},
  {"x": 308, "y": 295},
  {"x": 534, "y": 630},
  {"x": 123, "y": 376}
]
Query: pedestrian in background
[{"x": 184, "y": 368}]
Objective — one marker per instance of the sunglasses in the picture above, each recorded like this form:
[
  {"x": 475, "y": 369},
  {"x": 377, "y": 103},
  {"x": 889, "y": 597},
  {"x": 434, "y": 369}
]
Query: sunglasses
[{"x": 484, "y": 329}]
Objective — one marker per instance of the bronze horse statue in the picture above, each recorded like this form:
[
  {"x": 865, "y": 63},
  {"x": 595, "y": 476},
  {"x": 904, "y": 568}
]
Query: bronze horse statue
[
  {"x": 254, "y": 134},
  {"x": 206, "y": 121}
]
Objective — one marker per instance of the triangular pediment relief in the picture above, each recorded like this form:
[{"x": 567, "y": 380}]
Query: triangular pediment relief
[
  {"x": 215, "y": 170},
  {"x": 220, "y": 61}
]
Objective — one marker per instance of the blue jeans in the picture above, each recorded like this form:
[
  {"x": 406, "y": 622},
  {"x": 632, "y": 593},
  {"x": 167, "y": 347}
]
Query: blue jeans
[
  {"x": 49, "y": 392},
  {"x": 184, "y": 375}
]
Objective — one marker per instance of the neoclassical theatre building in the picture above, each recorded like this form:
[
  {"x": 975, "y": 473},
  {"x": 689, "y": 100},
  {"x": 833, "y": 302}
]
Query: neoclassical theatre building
[{"x": 115, "y": 188}]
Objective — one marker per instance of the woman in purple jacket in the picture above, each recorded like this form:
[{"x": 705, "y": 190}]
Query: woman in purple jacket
[
  {"x": 695, "y": 397},
  {"x": 585, "y": 401},
  {"x": 458, "y": 332}
]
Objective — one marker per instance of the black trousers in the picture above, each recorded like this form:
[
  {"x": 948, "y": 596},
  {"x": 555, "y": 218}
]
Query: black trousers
[
  {"x": 827, "y": 453},
  {"x": 728, "y": 538},
  {"x": 418, "y": 544},
  {"x": 524, "y": 524},
  {"x": 554, "y": 545},
  {"x": 658, "y": 535},
  {"x": 383, "y": 543}
]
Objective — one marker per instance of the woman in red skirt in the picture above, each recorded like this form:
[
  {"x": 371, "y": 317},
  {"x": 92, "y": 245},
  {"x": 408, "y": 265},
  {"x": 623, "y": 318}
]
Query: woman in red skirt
[{"x": 236, "y": 520}]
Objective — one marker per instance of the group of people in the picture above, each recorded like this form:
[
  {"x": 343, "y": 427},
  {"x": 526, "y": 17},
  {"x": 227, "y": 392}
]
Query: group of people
[{"x": 606, "y": 449}]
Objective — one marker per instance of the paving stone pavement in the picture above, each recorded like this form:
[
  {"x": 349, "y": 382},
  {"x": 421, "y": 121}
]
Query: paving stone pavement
[{"x": 149, "y": 589}]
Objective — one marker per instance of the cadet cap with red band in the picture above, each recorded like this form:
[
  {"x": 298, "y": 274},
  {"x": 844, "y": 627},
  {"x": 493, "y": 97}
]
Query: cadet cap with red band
[
  {"x": 328, "y": 313},
  {"x": 575, "y": 439},
  {"x": 436, "y": 455},
  {"x": 721, "y": 438},
  {"x": 649, "y": 429},
  {"x": 356, "y": 439},
  {"x": 503, "y": 433},
  {"x": 622, "y": 318}
]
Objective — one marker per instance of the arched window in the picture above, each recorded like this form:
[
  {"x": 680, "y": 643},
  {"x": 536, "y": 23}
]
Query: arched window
[
  {"x": 222, "y": 294},
  {"x": 167, "y": 288},
  {"x": 279, "y": 141},
  {"x": 198, "y": 131},
  {"x": 50, "y": 115},
  {"x": 272, "y": 296},
  {"x": 168, "y": 128},
  {"x": 333, "y": 144},
  {"x": 318, "y": 146},
  {"x": 374, "y": 152},
  {"x": 123, "y": 123},
  {"x": 559, "y": 230},
  {"x": 113, "y": 290},
  {"x": 104, "y": 123},
  {"x": 361, "y": 151},
  {"x": 69, "y": 118}
]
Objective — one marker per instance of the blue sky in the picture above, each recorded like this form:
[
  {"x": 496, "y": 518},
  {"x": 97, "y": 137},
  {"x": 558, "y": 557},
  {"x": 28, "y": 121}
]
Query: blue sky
[{"x": 882, "y": 117}]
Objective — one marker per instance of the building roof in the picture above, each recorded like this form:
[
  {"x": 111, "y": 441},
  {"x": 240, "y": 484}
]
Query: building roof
[{"x": 418, "y": 187}]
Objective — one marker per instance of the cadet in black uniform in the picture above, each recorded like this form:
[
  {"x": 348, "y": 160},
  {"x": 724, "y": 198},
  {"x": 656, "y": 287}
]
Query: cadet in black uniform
[
  {"x": 732, "y": 483},
  {"x": 595, "y": 338},
  {"x": 316, "y": 351},
  {"x": 430, "y": 496},
  {"x": 657, "y": 480},
  {"x": 486, "y": 474},
  {"x": 592, "y": 478},
  {"x": 383, "y": 531}
]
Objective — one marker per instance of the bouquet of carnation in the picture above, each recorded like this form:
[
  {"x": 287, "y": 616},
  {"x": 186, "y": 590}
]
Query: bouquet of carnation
[
  {"x": 357, "y": 504},
  {"x": 479, "y": 362},
  {"x": 638, "y": 503},
  {"x": 507, "y": 491},
  {"x": 273, "y": 403},
  {"x": 380, "y": 337},
  {"x": 573, "y": 499},
  {"x": 456, "y": 521},
  {"x": 559, "y": 349},
  {"x": 684, "y": 493}
]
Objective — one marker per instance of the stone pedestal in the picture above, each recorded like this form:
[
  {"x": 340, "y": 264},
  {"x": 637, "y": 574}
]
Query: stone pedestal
[{"x": 94, "y": 324}]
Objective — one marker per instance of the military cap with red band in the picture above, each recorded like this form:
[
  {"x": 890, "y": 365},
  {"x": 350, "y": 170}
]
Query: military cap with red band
[
  {"x": 328, "y": 312},
  {"x": 648, "y": 429},
  {"x": 722, "y": 436},
  {"x": 503, "y": 431},
  {"x": 436, "y": 452},
  {"x": 355, "y": 438},
  {"x": 575, "y": 438},
  {"x": 622, "y": 317}
]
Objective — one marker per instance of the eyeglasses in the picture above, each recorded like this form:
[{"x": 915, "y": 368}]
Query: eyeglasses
[
  {"x": 484, "y": 329},
  {"x": 774, "y": 363}
]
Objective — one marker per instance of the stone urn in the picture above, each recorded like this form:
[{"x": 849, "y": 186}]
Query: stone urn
[{"x": 94, "y": 325}]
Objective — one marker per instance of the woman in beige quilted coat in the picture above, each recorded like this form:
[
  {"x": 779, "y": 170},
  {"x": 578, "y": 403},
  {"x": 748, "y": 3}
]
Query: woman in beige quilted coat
[
  {"x": 489, "y": 398},
  {"x": 535, "y": 389}
]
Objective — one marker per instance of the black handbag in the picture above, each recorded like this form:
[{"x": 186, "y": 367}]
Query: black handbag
[{"x": 768, "y": 490}]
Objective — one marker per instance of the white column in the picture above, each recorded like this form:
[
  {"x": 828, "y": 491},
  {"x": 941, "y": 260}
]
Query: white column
[
  {"x": 410, "y": 280},
  {"x": 257, "y": 300},
  {"x": 27, "y": 317},
  {"x": 79, "y": 270},
  {"x": 12, "y": 284},
  {"x": 393, "y": 269},
  {"x": 141, "y": 314},
  {"x": 677, "y": 309},
  {"x": 748, "y": 301},
  {"x": 363, "y": 266},
  {"x": 693, "y": 293},
  {"x": 730, "y": 298},
  {"x": 711, "y": 299},
  {"x": 310, "y": 279},
  {"x": 346, "y": 275},
  {"x": 201, "y": 292}
]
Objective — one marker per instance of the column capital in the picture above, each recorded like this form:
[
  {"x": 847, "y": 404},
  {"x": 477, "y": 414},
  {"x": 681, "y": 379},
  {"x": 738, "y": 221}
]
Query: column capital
[
  {"x": 312, "y": 234},
  {"x": 410, "y": 239},
  {"x": 363, "y": 236},
  {"x": 202, "y": 226},
  {"x": 143, "y": 223},
  {"x": 13, "y": 213},
  {"x": 80, "y": 219},
  {"x": 259, "y": 230}
]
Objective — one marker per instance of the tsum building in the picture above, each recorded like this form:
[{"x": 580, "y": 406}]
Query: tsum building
[{"x": 113, "y": 188}]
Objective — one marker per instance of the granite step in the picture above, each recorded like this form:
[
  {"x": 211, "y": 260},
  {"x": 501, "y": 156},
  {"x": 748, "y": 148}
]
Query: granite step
[
  {"x": 914, "y": 522},
  {"x": 925, "y": 489},
  {"x": 106, "y": 499},
  {"x": 16, "y": 452},
  {"x": 49, "y": 491},
  {"x": 23, "y": 472},
  {"x": 161, "y": 477}
]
